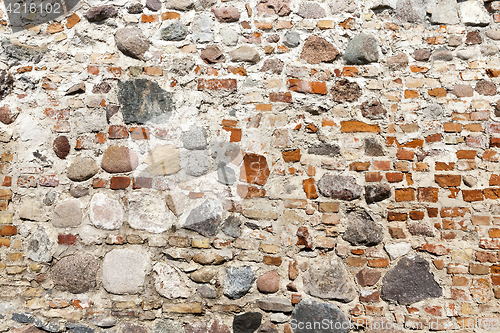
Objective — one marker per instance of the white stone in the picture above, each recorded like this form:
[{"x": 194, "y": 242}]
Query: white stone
[
  {"x": 472, "y": 12},
  {"x": 149, "y": 212},
  {"x": 105, "y": 213},
  {"x": 445, "y": 12},
  {"x": 397, "y": 250},
  {"x": 124, "y": 271},
  {"x": 169, "y": 282}
]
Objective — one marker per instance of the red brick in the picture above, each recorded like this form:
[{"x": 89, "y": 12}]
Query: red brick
[
  {"x": 98, "y": 183},
  {"x": 392, "y": 216},
  {"x": 466, "y": 154},
  {"x": 438, "y": 250},
  {"x": 67, "y": 239},
  {"x": 373, "y": 177},
  {"x": 49, "y": 181},
  {"x": 26, "y": 181},
  {"x": 492, "y": 193},
  {"x": 442, "y": 166},
  {"x": 404, "y": 194},
  {"x": 235, "y": 135},
  {"x": 311, "y": 87},
  {"x": 448, "y": 180},
  {"x": 382, "y": 165},
  {"x": 359, "y": 166},
  {"x": 139, "y": 133},
  {"x": 216, "y": 84},
  {"x": 417, "y": 215},
  {"x": 119, "y": 182},
  {"x": 432, "y": 212},
  {"x": 284, "y": 97},
  {"x": 472, "y": 195},
  {"x": 394, "y": 177},
  {"x": 495, "y": 142},
  {"x": 452, "y": 127},
  {"x": 433, "y": 138},
  {"x": 118, "y": 132},
  {"x": 404, "y": 154},
  {"x": 427, "y": 194},
  {"x": 378, "y": 263}
]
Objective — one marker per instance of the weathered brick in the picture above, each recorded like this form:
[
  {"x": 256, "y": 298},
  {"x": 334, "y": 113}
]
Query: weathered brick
[
  {"x": 404, "y": 194},
  {"x": 448, "y": 180},
  {"x": 311, "y": 87},
  {"x": 472, "y": 195},
  {"x": 217, "y": 84},
  {"x": 353, "y": 126}
]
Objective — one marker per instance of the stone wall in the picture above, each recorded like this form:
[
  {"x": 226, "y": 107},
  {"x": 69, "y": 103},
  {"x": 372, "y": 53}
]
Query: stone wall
[{"x": 206, "y": 166}]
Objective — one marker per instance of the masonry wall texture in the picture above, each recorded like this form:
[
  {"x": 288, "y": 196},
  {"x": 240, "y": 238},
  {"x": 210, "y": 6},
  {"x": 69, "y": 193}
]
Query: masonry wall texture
[{"x": 243, "y": 166}]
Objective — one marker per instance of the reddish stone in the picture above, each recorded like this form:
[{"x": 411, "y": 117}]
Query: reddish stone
[
  {"x": 119, "y": 183},
  {"x": 396, "y": 233},
  {"x": 8, "y": 230},
  {"x": 49, "y": 181},
  {"x": 118, "y": 159},
  {"x": 269, "y": 282},
  {"x": 317, "y": 49},
  {"x": 305, "y": 238},
  {"x": 254, "y": 169},
  {"x": 118, "y": 132},
  {"x": 369, "y": 296},
  {"x": 311, "y": 87},
  {"x": 216, "y": 84},
  {"x": 378, "y": 263},
  {"x": 6, "y": 116},
  {"x": 212, "y": 54},
  {"x": 368, "y": 277},
  {"x": 246, "y": 192},
  {"x": 438, "y": 250},
  {"x": 142, "y": 182},
  {"x": 67, "y": 239},
  {"x": 98, "y": 183},
  {"x": 345, "y": 91},
  {"x": 226, "y": 14},
  {"x": 284, "y": 97},
  {"x": 61, "y": 147}
]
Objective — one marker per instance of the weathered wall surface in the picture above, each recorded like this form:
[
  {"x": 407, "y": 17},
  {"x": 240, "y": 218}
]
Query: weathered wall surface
[{"x": 179, "y": 166}]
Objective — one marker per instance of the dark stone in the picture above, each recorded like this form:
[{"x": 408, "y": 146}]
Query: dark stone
[
  {"x": 373, "y": 110},
  {"x": 422, "y": 55},
  {"x": 25, "y": 317},
  {"x": 154, "y": 5},
  {"x": 361, "y": 50},
  {"x": 339, "y": 187},
  {"x": 272, "y": 65},
  {"x": 100, "y": 13},
  {"x": 310, "y": 311},
  {"x": 317, "y": 49},
  {"x": 135, "y": 8},
  {"x": 143, "y": 100},
  {"x": 376, "y": 193},
  {"x": 16, "y": 53},
  {"x": 497, "y": 109},
  {"x": 50, "y": 326},
  {"x": 247, "y": 322},
  {"x": 232, "y": 226},
  {"x": 486, "y": 88},
  {"x": 363, "y": 230},
  {"x": 473, "y": 38},
  {"x": 410, "y": 281},
  {"x": 75, "y": 273},
  {"x": 325, "y": 149},
  {"x": 420, "y": 229},
  {"x": 345, "y": 91},
  {"x": 267, "y": 327},
  {"x": 238, "y": 281},
  {"x": 77, "y": 328},
  {"x": 6, "y": 83},
  {"x": 101, "y": 88},
  {"x": 373, "y": 147},
  {"x": 206, "y": 218},
  {"x": 176, "y": 31},
  {"x": 61, "y": 147}
]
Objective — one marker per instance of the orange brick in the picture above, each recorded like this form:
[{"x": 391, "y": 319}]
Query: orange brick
[
  {"x": 353, "y": 126},
  {"x": 280, "y": 97},
  {"x": 448, "y": 180},
  {"x": 72, "y": 21},
  {"x": 427, "y": 194},
  {"x": 452, "y": 127},
  {"x": 466, "y": 154},
  {"x": 263, "y": 107},
  {"x": 291, "y": 155},
  {"x": 393, "y": 216},
  {"x": 157, "y": 71},
  {"x": 149, "y": 18},
  {"x": 394, "y": 177},
  {"x": 442, "y": 166},
  {"x": 373, "y": 177},
  {"x": 472, "y": 195},
  {"x": 404, "y": 194},
  {"x": 359, "y": 166},
  {"x": 411, "y": 94},
  {"x": 382, "y": 165},
  {"x": 433, "y": 138},
  {"x": 418, "y": 69},
  {"x": 349, "y": 71},
  {"x": 404, "y": 154},
  {"x": 437, "y": 92},
  {"x": 139, "y": 133},
  {"x": 417, "y": 215},
  {"x": 378, "y": 263},
  {"x": 310, "y": 188},
  {"x": 311, "y": 87},
  {"x": 492, "y": 193},
  {"x": 8, "y": 230},
  {"x": 170, "y": 16}
]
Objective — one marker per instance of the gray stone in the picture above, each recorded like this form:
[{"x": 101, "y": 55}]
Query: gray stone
[
  {"x": 6, "y": 83},
  {"x": 154, "y": 5},
  {"x": 102, "y": 321},
  {"x": 224, "y": 152},
  {"x": 245, "y": 53},
  {"x": 132, "y": 42},
  {"x": 445, "y": 12},
  {"x": 77, "y": 191},
  {"x": 147, "y": 212},
  {"x": 373, "y": 147},
  {"x": 421, "y": 55},
  {"x": 226, "y": 175},
  {"x": 275, "y": 304},
  {"x": 196, "y": 162},
  {"x": 181, "y": 5},
  {"x": 229, "y": 36},
  {"x": 194, "y": 138},
  {"x": 206, "y": 218},
  {"x": 433, "y": 110},
  {"x": 455, "y": 40},
  {"x": 489, "y": 49},
  {"x": 410, "y": 281},
  {"x": 442, "y": 54},
  {"x": 272, "y": 65},
  {"x": 311, "y": 311},
  {"x": 232, "y": 226},
  {"x": 82, "y": 168},
  {"x": 100, "y": 13},
  {"x": 47, "y": 326},
  {"x": 324, "y": 149},
  {"x": 50, "y": 198},
  {"x": 292, "y": 39},
  {"x": 39, "y": 246},
  {"x": 67, "y": 214},
  {"x": 361, "y": 50},
  {"x": 238, "y": 281},
  {"x": 16, "y": 52},
  {"x": 493, "y": 34},
  {"x": 411, "y": 10},
  {"x": 339, "y": 187},
  {"x": 470, "y": 181},
  {"x": 25, "y": 317},
  {"x": 135, "y": 8},
  {"x": 124, "y": 271},
  {"x": 168, "y": 282},
  {"x": 474, "y": 13},
  {"x": 311, "y": 10},
  {"x": 32, "y": 209},
  {"x": 168, "y": 326},
  {"x": 467, "y": 53},
  {"x": 202, "y": 29},
  {"x": 143, "y": 100},
  {"x": 130, "y": 327},
  {"x": 105, "y": 213},
  {"x": 75, "y": 273},
  {"x": 329, "y": 279},
  {"x": 247, "y": 322},
  {"x": 363, "y": 230},
  {"x": 376, "y": 193},
  {"x": 78, "y": 88},
  {"x": 182, "y": 66},
  {"x": 420, "y": 229},
  {"x": 207, "y": 291},
  {"x": 175, "y": 31}
]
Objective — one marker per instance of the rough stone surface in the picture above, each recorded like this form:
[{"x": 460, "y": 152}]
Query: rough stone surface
[
  {"x": 373, "y": 147},
  {"x": 486, "y": 88},
  {"x": 247, "y": 322},
  {"x": 67, "y": 214},
  {"x": 442, "y": 54},
  {"x": 272, "y": 65},
  {"x": 269, "y": 282},
  {"x": 445, "y": 12},
  {"x": 75, "y": 273},
  {"x": 148, "y": 213},
  {"x": 61, "y": 146},
  {"x": 324, "y": 149},
  {"x": 132, "y": 42},
  {"x": 206, "y": 218},
  {"x": 339, "y": 187},
  {"x": 310, "y": 311},
  {"x": 6, "y": 83},
  {"x": 100, "y": 13},
  {"x": 368, "y": 277},
  {"x": 196, "y": 163},
  {"x": 292, "y": 39},
  {"x": 345, "y": 91},
  {"x": 329, "y": 279},
  {"x": 232, "y": 226},
  {"x": 175, "y": 31},
  {"x": 377, "y": 193},
  {"x": 118, "y": 159},
  {"x": 82, "y": 168},
  {"x": 144, "y": 101},
  {"x": 422, "y": 54},
  {"x": 363, "y": 230},
  {"x": 473, "y": 13},
  {"x": 361, "y": 50},
  {"x": 317, "y": 49},
  {"x": 39, "y": 246},
  {"x": 154, "y": 5},
  {"x": 275, "y": 304},
  {"x": 373, "y": 110},
  {"x": 245, "y": 53},
  {"x": 124, "y": 271},
  {"x": 226, "y": 175},
  {"x": 212, "y": 54},
  {"x": 226, "y": 14},
  {"x": 311, "y": 10},
  {"x": 105, "y": 213},
  {"x": 397, "y": 250},
  {"x": 169, "y": 282},
  {"x": 194, "y": 138},
  {"x": 410, "y": 281},
  {"x": 410, "y": 10},
  {"x": 238, "y": 281},
  {"x": 163, "y": 160}
]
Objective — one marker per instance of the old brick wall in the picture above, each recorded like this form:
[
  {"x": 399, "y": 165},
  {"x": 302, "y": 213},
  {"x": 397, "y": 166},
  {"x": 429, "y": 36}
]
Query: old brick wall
[{"x": 232, "y": 166}]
